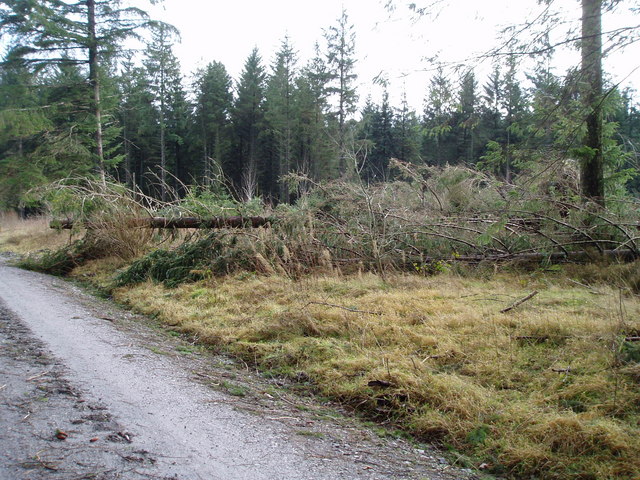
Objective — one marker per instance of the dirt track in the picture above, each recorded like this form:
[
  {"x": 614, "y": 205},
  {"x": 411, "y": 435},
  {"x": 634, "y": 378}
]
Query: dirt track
[{"x": 134, "y": 402}]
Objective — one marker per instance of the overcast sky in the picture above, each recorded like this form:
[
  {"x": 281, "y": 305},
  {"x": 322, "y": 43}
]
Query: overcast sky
[{"x": 391, "y": 43}]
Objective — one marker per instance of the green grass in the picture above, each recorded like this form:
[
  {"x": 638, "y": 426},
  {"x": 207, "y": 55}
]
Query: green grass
[{"x": 235, "y": 389}]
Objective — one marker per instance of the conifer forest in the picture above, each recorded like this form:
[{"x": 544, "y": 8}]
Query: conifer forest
[{"x": 76, "y": 102}]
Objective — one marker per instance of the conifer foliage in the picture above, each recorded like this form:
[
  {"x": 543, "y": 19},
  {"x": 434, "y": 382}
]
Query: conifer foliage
[{"x": 74, "y": 103}]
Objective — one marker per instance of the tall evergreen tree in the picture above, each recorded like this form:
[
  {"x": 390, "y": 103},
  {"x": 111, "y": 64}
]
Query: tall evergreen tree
[
  {"x": 407, "y": 132},
  {"x": 214, "y": 101},
  {"x": 23, "y": 125},
  {"x": 592, "y": 172},
  {"x": 163, "y": 71},
  {"x": 248, "y": 119},
  {"x": 439, "y": 143},
  {"x": 47, "y": 32},
  {"x": 492, "y": 100},
  {"x": 139, "y": 119},
  {"x": 514, "y": 107},
  {"x": 383, "y": 141},
  {"x": 341, "y": 78},
  {"x": 280, "y": 115},
  {"x": 468, "y": 118},
  {"x": 315, "y": 152}
]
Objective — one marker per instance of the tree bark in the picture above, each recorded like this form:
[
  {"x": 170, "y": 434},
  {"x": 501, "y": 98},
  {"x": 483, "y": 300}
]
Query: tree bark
[
  {"x": 181, "y": 222},
  {"x": 592, "y": 161},
  {"x": 95, "y": 86}
]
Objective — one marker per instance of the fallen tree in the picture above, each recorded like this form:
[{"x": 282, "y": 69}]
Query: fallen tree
[{"x": 179, "y": 222}]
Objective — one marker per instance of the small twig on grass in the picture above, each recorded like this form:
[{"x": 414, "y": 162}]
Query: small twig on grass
[
  {"x": 349, "y": 309},
  {"x": 519, "y": 302},
  {"x": 591, "y": 289}
]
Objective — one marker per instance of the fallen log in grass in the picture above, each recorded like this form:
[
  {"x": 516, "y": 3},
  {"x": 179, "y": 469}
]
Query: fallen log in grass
[
  {"x": 580, "y": 256},
  {"x": 178, "y": 222}
]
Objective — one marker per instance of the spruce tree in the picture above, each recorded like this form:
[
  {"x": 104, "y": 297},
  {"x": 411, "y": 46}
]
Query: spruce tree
[
  {"x": 439, "y": 142},
  {"x": 48, "y": 32},
  {"x": 163, "y": 71},
  {"x": 407, "y": 132},
  {"x": 514, "y": 108},
  {"x": 341, "y": 79},
  {"x": 213, "y": 105},
  {"x": 314, "y": 150},
  {"x": 468, "y": 118},
  {"x": 23, "y": 125},
  {"x": 248, "y": 119},
  {"x": 280, "y": 113}
]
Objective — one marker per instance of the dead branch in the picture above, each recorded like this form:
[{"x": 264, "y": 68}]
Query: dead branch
[
  {"x": 519, "y": 302},
  {"x": 180, "y": 222},
  {"x": 349, "y": 309}
]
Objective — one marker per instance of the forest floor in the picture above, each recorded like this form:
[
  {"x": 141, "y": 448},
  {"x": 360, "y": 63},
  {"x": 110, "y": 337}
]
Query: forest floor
[{"x": 523, "y": 374}]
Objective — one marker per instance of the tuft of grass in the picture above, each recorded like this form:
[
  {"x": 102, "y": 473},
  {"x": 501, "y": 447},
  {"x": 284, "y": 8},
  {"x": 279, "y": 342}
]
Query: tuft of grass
[
  {"x": 549, "y": 389},
  {"x": 235, "y": 389}
]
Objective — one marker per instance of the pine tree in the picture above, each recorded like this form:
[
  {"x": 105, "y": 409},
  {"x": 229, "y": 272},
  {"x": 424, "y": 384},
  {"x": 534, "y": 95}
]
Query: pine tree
[
  {"x": 548, "y": 101},
  {"x": 439, "y": 142},
  {"x": 407, "y": 132},
  {"x": 315, "y": 151},
  {"x": 139, "y": 119},
  {"x": 163, "y": 70},
  {"x": 214, "y": 101},
  {"x": 248, "y": 120},
  {"x": 513, "y": 104},
  {"x": 468, "y": 118},
  {"x": 492, "y": 100},
  {"x": 341, "y": 78},
  {"x": 23, "y": 124},
  {"x": 179, "y": 131},
  {"x": 280, "y": 112},
  {"x": 54, "y": 32},
  {"x": 592, "y": 172},
  {"x": 383, "y": 141}
]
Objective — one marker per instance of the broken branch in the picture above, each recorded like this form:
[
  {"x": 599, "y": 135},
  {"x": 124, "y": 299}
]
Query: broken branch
[{"x": 519, "y": 302}]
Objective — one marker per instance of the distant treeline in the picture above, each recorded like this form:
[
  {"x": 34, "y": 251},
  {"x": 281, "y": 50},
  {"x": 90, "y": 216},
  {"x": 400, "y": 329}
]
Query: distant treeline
[{"x": 160, "y": 131}]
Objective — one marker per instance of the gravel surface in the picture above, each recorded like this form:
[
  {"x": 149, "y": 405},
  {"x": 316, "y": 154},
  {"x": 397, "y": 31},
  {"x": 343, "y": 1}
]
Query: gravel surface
[{"x": 88, "y": 390}]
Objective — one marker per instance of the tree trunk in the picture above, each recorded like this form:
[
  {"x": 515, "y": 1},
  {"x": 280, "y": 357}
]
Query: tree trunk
[
  {"x": 95, "y": 85},
  {"x": 593, "y": 161}
]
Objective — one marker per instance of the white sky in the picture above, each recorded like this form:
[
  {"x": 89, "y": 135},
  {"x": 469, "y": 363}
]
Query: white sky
[{"x": 392, "y": 43}]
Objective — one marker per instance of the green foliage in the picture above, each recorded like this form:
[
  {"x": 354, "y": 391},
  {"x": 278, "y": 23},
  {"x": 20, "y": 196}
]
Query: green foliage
[
  {"x": 189, "y": 262},
  {"x": 62, "y": 261}
]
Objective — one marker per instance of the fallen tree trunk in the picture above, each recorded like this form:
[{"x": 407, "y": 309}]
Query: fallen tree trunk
[
  {"x": 556, "y": 257},
  {"x": 179, "y": 222},
  {"x": 580, "y": 256}
]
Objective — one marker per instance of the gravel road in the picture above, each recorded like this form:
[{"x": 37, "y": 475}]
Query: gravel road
[{"x": 88, "y": 390}]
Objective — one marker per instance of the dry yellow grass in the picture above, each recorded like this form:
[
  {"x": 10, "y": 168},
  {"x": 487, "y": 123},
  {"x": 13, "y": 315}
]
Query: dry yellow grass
[
  {"x": 542, "y": 390},
  {"x": 30, "y": 235}
]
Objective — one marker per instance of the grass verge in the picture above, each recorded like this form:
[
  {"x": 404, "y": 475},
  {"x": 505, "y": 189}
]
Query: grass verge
[{"x": 547, "y": 390}]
